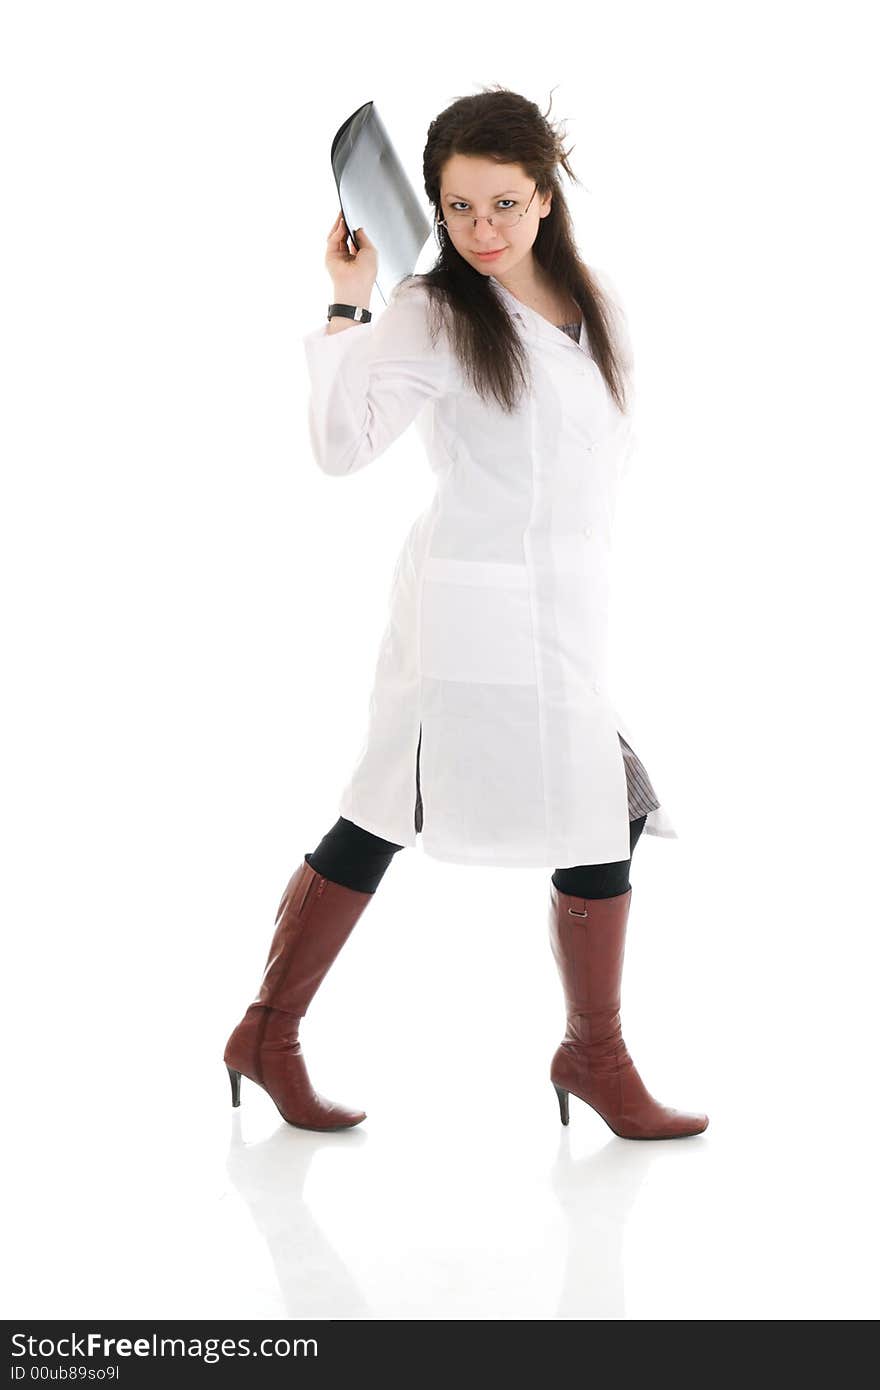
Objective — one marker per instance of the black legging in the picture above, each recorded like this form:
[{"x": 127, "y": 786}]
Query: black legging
[{"x": 358, "y": 859}]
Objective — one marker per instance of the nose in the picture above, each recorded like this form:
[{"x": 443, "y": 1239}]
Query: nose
[{"x": 484, "y": 233}]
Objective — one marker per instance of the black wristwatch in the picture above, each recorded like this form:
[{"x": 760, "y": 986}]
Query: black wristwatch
[{"x": 349, "y": 311}]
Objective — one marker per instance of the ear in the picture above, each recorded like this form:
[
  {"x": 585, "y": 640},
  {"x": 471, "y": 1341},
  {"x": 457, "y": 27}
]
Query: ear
[{"x": 545, "y": 205}]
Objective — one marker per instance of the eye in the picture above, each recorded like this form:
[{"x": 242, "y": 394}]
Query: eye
[{"x": 456, "y": 206}]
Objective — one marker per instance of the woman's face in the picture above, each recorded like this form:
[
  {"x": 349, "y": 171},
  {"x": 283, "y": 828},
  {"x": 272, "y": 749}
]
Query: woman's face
[{"x": 471, "y": 184}]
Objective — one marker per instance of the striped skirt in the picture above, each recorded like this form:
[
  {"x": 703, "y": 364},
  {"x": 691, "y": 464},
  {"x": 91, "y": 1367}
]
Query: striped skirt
[{"x": 641, "y": 795}]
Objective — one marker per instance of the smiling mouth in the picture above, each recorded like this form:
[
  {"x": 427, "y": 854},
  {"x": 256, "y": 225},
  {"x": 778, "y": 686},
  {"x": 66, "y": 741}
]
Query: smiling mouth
[{"x": 496, "y": 252}]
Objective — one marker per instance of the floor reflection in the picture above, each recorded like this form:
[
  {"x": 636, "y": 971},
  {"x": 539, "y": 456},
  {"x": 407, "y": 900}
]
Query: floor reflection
[
  {"x": 270, "y": 1177},
  {"x": 597, "y": 1194}
]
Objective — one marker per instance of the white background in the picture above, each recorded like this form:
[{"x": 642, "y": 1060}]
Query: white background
[{"x": 191, "y": 616}]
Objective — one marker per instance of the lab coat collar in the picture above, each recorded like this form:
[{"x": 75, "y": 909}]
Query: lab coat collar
[{"x": 537, "y": 326}]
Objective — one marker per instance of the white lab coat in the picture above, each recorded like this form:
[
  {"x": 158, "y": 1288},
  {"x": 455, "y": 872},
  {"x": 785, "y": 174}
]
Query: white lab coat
[{"x": 493, "y": 670}]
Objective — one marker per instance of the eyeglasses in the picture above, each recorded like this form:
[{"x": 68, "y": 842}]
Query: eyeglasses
[{"x": 504, "y": 217}]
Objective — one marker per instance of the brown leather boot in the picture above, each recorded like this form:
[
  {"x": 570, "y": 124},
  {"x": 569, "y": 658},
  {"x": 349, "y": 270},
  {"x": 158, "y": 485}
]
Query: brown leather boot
[
  {"x": 592, "y": 1062},
  {"x": 313, "y": 922}
]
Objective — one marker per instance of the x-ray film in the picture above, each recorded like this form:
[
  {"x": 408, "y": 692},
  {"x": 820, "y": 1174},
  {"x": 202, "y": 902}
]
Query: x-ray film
[{"x": 375, "y": 193}]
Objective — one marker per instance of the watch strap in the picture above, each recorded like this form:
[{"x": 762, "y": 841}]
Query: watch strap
[{"x": 349, "y": 311}]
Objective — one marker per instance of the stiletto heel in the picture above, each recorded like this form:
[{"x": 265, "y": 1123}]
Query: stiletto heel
[
  {"x": 235, "y": 1083},
  {"x": 562, "y": 1097}
]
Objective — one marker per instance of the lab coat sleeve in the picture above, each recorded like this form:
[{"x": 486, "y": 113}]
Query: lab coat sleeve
[
  {"x": 630, "y": 440},
  {"x": 368, "y": 382}
]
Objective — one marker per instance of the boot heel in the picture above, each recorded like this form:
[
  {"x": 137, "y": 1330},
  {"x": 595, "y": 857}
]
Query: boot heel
[
  {"x": 562, "y": 1097},
  {"x": 235, "y": 1083}
]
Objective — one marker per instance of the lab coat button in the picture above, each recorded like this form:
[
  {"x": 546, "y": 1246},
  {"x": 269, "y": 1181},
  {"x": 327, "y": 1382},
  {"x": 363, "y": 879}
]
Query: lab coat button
[
  {"x": 588, "y": 531},
  {"x": 596, "y": 687}
]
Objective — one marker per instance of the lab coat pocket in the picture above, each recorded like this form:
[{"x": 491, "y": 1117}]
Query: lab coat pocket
[{"x": 476, "y": 622}]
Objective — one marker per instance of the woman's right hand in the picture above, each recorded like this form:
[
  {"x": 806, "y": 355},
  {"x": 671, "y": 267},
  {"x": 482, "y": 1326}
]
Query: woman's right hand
[{"x": 353, "y": 273}]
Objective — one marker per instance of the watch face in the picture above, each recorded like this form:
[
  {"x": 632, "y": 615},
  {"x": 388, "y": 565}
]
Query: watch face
[{"x": 375, "y": 193}]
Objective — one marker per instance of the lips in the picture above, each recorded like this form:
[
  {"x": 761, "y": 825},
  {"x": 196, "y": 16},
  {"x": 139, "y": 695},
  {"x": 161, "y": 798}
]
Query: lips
[{"x": 487, "y": 255}]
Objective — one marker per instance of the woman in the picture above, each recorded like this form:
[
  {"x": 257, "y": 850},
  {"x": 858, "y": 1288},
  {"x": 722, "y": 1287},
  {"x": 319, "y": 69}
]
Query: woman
[{"x": 490, "y": 731}]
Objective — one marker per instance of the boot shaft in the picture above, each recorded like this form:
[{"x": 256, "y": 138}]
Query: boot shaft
[
  {"x": 588, "y": 939},
  {"x": 315, "y": 918}
]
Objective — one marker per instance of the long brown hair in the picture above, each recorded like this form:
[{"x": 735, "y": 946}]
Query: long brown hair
[{"x": 502, "y": 125}]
